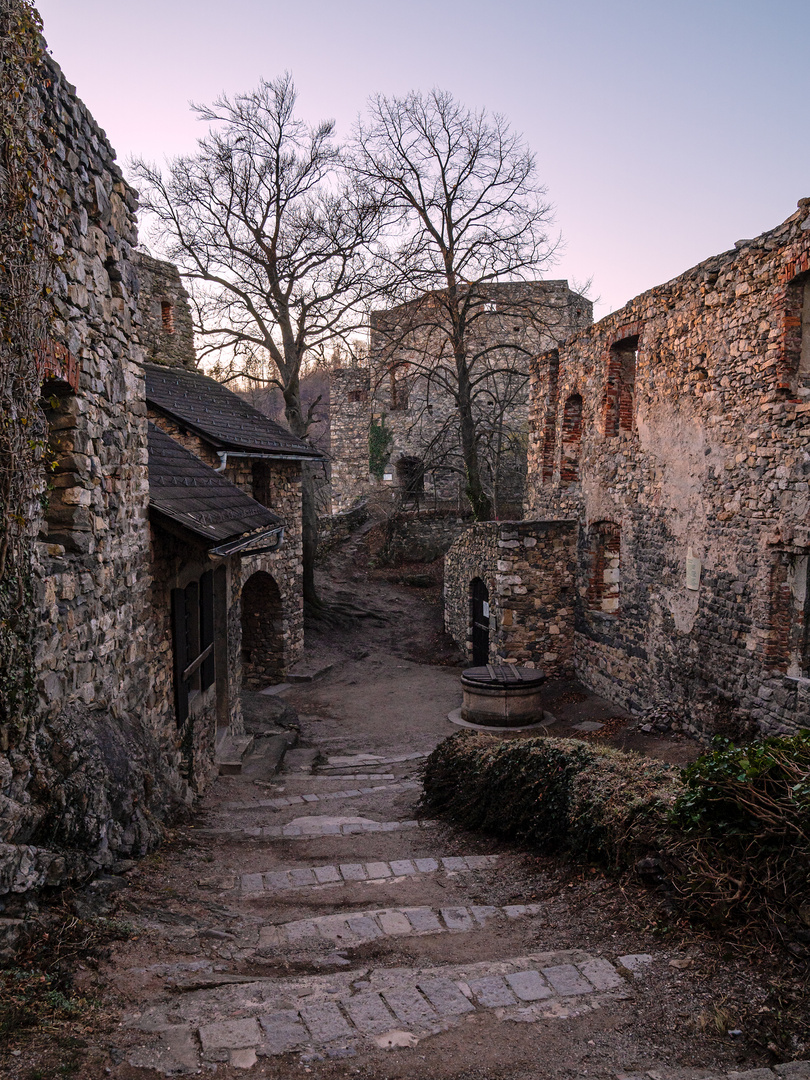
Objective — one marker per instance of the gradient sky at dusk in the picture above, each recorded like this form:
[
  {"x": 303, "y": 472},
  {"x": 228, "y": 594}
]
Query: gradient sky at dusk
[{"x": 664, "y": 129}]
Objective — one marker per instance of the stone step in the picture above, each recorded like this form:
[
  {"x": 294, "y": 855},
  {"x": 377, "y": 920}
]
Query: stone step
[
  {"x": 350, "y": 930},
  {"x": 281, "y": 802},
  {"x": 230, "y": 752},
  {"x": 322, "y": 876},
  {"x": 307, "y": 672},
  {"x": 343, "y": 1013},
  {"x": 301, "y": 830}
]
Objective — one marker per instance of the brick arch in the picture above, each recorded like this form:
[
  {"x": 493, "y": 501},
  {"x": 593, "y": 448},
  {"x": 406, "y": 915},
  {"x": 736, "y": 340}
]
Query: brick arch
[
  {"x": 262, "y": 631},
  {"x": 571, "y": 439}
]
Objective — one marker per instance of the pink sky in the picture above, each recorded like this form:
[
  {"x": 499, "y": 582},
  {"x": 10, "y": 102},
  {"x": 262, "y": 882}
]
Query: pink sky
[{"x": 663, "y": 130}]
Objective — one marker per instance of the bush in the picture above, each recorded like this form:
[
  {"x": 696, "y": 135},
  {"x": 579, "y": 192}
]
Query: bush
[
  {"x": 730, "y": 834},
  {"x": 555, "y": 794}
]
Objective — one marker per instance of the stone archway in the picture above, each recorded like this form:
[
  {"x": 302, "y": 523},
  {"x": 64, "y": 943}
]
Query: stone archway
[{"x": 262, "y": 632}]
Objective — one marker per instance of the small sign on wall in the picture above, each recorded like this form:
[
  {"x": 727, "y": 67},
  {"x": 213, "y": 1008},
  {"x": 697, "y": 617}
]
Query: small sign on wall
[
  {"x": 486, "y": 609},
  {"x": 388, "y": 477},
  {"x": 693, "y": 569}
]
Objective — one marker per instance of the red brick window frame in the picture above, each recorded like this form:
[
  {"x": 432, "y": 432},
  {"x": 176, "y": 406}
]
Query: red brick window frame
[
  {"x": 787, "y": 646},
  {"x": 167, "y": 316},
  {"x": 620, "y": 382},
  {"x": 571, "y": 439},
  {"x": 794, "y": 364},
  {"x": 604, "y": 571}
]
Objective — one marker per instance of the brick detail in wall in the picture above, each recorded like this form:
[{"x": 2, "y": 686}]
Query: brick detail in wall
[
  {"x": 571, "y": 439},
  {"x": 620, "y": 385},
  {"x": 604, "y": 579}
]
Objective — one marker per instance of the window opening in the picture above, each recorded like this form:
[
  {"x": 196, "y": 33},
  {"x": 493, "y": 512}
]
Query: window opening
[
  {"x": 621, "y": 387},
  {"x": 795, "y": 373},
  {"x": 605, "y": 578},
  {"x": 571, "y": 440},
  {"x": 167, "y": 316},
  {"x": 399, "y": 392}
]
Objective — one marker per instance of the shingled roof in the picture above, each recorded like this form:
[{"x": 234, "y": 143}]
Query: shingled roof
[
  {"x": 190, "y": 493},
  {"x": 215, "y": 413}
]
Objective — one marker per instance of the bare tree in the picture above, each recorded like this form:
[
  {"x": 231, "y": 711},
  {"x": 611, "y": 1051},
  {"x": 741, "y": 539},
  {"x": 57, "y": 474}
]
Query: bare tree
[
  {"x": 461, "y": 195},
  {"x": 273, "y": 243}
]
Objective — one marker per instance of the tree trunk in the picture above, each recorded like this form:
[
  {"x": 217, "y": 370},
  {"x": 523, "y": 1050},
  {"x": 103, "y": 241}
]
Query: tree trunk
[
  {"x": 309, "y": 513},
  {"x": 479, "y": 500}
]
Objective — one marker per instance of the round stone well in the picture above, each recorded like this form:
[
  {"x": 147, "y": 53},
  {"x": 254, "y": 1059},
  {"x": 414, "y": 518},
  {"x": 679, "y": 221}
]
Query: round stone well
[{"x": 502, "y": 695}]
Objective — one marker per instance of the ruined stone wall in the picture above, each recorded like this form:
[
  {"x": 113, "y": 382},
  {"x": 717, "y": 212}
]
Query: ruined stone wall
[
  {"x": 403, "y": 387},
  {"x": 419, "y": 536},
  {"x": 349, "y": 418},
  {"x": 167, "y": 331},
  {"x": 686, "y": 464},
  {"x": 90, "y": 778},
  {"x": 529, "y": 570}
]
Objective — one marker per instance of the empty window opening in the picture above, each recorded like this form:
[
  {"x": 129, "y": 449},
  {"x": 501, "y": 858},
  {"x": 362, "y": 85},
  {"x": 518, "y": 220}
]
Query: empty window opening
[
  {"x": 411, "y": 477},
  {"x": 167, "y": 316},
  {"x": 551, "y": 397},
  {"x": 193, "y": 642},
  {"x": 262, "y": 632},
  {"x": 571, "y": 440},
  {"x": 399, "y": 391},
  {"x": 795, "y": 373},
  {"x": 604, "y": 582},
  {"x": 621, "y": 387},
  {"x": 358, "y": 395}
]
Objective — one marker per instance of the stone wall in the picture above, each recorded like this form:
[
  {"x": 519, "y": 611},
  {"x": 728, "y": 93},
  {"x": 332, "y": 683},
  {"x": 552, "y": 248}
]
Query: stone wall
[
  {"x": 676, "y": 432},
  {"x": 418, "y": 536},
  {"x": 529, "y": 570},
  {"x": 402, "y": 386},
  {"x": 167, "y": 331},
  {"x": 97, "y": 766}
]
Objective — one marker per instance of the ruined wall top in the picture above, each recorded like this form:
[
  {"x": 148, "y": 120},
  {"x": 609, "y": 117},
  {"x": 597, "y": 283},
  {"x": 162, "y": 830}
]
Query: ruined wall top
[{"x": 167, "y": 331}]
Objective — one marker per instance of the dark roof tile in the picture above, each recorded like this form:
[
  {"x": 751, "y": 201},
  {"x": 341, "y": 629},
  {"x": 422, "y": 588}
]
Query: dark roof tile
[
  {"x": 191, "y": 493},
  {"x": 217, "y": 414}
]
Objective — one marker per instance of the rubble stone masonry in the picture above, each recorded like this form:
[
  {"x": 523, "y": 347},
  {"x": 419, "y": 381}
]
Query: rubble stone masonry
[
  {"x": 676, "y": 432},
  {"x": 528, "y": 568}
]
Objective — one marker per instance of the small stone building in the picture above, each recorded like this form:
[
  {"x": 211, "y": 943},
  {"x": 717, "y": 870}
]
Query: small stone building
[
  {"x": 672, "y": 437},
  {"x": 394, "y": 426}
]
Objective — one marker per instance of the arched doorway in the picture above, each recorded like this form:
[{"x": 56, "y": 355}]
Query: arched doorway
[
  {"x": 262, "y": 632},
  {"x": 479, "y": 602}
]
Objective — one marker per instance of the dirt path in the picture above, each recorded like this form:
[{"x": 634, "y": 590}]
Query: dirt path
[{"x": 311, "y": 923}]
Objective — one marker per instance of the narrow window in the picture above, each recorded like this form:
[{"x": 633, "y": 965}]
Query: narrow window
[
  {"x": 621, "y": 387},
  {"x": 551, "y": 381},
  {"x": 788, "y": 644},
  {"x": 358, "y": 395},
  {"x": 571, "y": 440},
  {"x": 794, "y": 371},
  {"x": 399, "y": 392},
  {"x": 167, "y": 316},
  {"x": 604, "y": 582}
]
